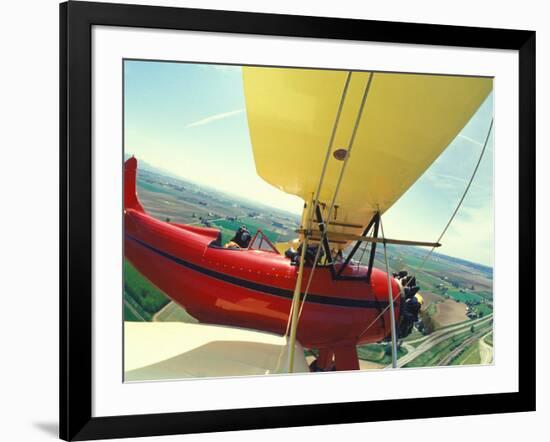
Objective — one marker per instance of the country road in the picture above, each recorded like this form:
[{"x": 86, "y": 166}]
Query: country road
[
  {"x": 448, "y": 329},
  {"x": 435, "y": 338},
  {"x": 214, "y": 220},
  {"x": 485, "y": 350}
]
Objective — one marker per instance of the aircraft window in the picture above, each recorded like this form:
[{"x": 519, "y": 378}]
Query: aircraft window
[{"x": 260, "y": 242}]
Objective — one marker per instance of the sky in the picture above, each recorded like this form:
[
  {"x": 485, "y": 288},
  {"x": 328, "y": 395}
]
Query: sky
[{"x": 190, "y": 119}]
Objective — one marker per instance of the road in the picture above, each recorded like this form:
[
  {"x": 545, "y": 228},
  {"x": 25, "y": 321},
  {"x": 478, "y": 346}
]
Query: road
[
  {"x": 435, "y": 338},
  {"x": 453, "y": 354},
  {"x": 213, "y": 220},
  {"x": 485, "y": 350}
]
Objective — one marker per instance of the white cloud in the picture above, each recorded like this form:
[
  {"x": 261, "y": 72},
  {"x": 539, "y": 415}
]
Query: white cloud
[
  {"x": 464, "y": 137},
  {"x": 471, "y": 235},
  {"x": 215, "y": 117},
  {"x": 451, "y": 182}
]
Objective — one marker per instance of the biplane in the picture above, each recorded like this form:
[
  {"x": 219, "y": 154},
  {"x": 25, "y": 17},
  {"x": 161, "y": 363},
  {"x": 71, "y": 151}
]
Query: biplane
[{"x": 349, "y": 144}]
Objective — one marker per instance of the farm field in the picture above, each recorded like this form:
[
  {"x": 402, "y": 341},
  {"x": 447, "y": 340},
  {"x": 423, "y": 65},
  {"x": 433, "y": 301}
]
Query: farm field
[
  {"x": 378, "y": 353},
  {"x": 179, "y": 201},
  {"x": 449, "y": 312},
  {"x": 141, "y": 294},
  {"x": 469, "y": 356},
  {"x": 457, "y": 345}
]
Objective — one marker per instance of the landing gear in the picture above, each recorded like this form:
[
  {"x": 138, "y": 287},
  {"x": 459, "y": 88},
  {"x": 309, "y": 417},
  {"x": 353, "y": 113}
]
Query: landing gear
[{"x": 342, "y": 358}]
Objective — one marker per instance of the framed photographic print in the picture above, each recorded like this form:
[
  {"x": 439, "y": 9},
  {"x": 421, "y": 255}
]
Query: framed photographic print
[{"x": 254, "y": 206}]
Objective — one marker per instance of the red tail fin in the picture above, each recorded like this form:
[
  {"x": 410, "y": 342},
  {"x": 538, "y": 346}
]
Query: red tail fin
[{"x": 130, "y": 193}]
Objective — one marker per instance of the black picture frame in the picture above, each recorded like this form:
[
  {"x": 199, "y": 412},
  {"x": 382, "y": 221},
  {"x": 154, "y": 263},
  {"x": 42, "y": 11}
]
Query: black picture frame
[{"x": 76, "y": 21}]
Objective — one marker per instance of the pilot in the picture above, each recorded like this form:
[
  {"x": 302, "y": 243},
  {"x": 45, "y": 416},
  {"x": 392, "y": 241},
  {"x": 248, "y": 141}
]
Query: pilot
[
  {"x": 309, "y": 258},
  {"x": 241, "y": 239}
]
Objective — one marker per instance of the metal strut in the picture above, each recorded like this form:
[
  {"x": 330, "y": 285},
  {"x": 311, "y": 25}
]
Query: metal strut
[
  {"x": 376, "y": 222},
  {"x": 391, "y": 301},
  {"x": 326, "y": 244}
]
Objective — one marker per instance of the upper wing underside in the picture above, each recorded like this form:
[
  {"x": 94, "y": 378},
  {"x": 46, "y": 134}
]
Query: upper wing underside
[{"x": 407, "y": 121}]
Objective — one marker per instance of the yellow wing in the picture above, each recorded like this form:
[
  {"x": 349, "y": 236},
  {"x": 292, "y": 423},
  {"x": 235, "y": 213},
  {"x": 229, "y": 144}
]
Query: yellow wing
[{"x": 408, "y": 120}]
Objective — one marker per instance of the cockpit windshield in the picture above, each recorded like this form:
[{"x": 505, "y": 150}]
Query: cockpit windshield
[{"x": 260, "y": 242}]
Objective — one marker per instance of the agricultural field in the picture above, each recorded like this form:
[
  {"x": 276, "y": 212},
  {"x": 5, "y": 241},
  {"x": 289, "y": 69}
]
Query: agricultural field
[
  {"x": 130, "y": 312},
  {"x": 378, "y": 353},
  {"x": 480, "y": 352},
  {"x": 138, "y": 289},
  {"x": 449, "y": 312},
  {"x": 459, "y": 289},
  {"x": 229, "y": 227},
  {"x": 469, "y": 356},
  {"x": 439, "y": 351},
  {"x": 461, "y": 347},
  {"x": 175, "y": 200}
]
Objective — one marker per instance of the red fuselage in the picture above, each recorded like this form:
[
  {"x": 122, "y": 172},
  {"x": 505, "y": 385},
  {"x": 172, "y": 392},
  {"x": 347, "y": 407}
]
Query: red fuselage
[{"x": 252, "y": 288}]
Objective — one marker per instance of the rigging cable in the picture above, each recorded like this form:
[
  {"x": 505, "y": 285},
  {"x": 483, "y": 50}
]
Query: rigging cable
[
  {"x": 337, "y": 188},
  {"x": 429, "y": 254},
  {"x": 324, "y": 169},
  {"x": 333, "y": 202},
  {"x": 315, "y": 202}
]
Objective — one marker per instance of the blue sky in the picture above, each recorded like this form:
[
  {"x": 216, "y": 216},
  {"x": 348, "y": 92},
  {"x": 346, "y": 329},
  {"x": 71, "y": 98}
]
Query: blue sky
[{"x": 190, "y": 119}]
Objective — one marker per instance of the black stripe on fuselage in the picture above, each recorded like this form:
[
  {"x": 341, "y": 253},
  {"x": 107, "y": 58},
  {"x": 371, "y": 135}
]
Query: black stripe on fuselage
[{"x": 267, "y": 289}]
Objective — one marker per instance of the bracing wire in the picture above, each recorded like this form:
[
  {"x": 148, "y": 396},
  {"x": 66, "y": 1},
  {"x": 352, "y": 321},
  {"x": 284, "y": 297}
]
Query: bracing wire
[
  {"x": 363, "y": 253},
  {"x": 315, "y": 202},
  {"x": 337, "y": 188},
  {"x": 429, "y": 254}
]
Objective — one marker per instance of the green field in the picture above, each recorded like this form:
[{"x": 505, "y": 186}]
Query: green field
[
  {"x": 464, "y": 296},
  {"x": 134, "y": 310},
  {"x": 485, "y": 294},
  {"x": 150, "y": 187},
  {"x": 469, "y": 356},
  {"x": 129, "y": 314},
  {"x": 144, "y": 297},
  {"x": 229, "y": 228},
  {"x": 379, "y": 353},
  {"x": 439, "y": 351},
  {"x": 415, "y": 334},
  {"x": 482, "y": 309},
  {"x": 432, "y": 309}
]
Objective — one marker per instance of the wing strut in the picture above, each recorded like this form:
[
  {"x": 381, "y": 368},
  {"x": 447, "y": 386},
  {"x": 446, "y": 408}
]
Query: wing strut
[
  {"x": 295, "y": 314},
  {"x": 295, "y": 304},
  {"x": 375, "y": 221},
  {"x": 391, "y": 301},
  {"x": 324, "y": 241},
  {"x": 429, "y": 254}
]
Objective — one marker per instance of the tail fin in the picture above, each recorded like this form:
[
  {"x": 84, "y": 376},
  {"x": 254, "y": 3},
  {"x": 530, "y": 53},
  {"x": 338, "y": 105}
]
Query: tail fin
[{"x": 130, "y": 193}]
